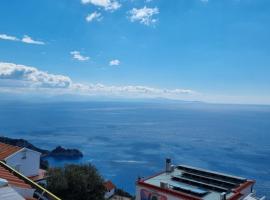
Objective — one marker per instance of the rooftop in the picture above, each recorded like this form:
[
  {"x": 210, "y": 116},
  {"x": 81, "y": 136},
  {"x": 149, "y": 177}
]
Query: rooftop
[
  {"x": 8, "y": 193},
  {"x": 17, "y": 180},
  {"x": 12, "y": 179},
  {"x": 196, "y": 183},
  {"x": 109, "y": 185},
  {"x": 6, "y": 150}
]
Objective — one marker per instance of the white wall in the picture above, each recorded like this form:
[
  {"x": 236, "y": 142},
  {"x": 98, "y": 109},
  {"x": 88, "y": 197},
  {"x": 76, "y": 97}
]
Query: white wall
[
  {"x": 246, "y": 192},
  {"x": 167, "y": 196},
  {"x": 108, "y": 194},
  {"x": 25, "y": 161},
  {"x": 25, "y": 192}
]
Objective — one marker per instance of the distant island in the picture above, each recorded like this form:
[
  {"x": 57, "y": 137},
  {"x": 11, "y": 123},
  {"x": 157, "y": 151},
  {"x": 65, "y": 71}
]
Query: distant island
[{"x": 58, "y": 153}]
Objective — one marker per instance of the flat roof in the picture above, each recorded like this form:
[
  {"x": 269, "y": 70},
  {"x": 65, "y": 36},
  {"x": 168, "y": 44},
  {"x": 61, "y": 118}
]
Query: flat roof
[
  {"x": 197, "y": 183},
  {"x": 7, "y": 193}
]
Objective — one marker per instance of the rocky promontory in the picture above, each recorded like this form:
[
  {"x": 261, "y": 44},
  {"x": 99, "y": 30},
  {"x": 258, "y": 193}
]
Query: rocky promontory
[
  {"x": 57, "y": 153},
  {"x": 60, "y": 152}
]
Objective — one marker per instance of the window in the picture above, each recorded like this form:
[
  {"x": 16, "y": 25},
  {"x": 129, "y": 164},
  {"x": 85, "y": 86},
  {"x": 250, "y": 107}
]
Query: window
[{"x": 24, "y": 154}]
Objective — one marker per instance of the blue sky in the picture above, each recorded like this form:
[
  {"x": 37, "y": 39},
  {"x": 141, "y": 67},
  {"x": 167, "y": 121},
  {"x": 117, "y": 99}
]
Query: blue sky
[{"x": 215, "y": 50}]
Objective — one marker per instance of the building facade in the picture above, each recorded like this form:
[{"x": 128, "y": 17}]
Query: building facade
[
  {"x": 23, "y": 160},
  {"x": 110, "y": 189}
]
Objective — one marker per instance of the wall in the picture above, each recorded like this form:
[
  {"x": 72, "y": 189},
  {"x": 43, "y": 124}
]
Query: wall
[
  {"x": 25, "y": 161},
  {"x": 109, "y": 194},
  {"x": 152, "y": 192},
  {"x": 246, "y": 192},
  {"x": 25, "y": 192}
]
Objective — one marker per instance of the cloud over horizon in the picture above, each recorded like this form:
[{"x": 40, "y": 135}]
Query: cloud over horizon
[{"x": 32, "y": 78}]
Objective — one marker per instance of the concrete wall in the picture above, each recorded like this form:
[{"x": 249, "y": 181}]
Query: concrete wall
[
  {"x": 25, "y": 161},
  {"x": 159, "y": 195}
]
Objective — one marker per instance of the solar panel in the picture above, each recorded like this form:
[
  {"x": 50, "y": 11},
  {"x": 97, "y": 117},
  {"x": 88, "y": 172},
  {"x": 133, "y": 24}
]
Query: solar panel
[
  {"x": 199, "y": 183},
  {"x": 188, "y": 189},
  {"x": 222, "y": 177},
  {"x": 209, "y": 180}
]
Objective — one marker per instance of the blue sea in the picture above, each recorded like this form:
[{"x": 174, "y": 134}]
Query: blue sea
[{"x": 127, "y": 140}]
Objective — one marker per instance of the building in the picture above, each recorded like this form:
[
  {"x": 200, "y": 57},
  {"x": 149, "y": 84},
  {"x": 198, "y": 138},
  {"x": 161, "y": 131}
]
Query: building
[
  {"x": 118, "y": 197},
  {"x": 15, "y": 186},
  {"x": 110, "y": 189},
  {"x": 189, "y": 183},
  {"x": 23, "y": 160}
]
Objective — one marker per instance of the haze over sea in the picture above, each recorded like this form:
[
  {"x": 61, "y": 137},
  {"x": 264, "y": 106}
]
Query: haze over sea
[{"x": 127, "y": 140}]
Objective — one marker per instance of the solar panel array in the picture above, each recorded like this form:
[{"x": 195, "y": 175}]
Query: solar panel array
[
  {"x": 207, "y": 179},
  {"x": 188, "y": 189}
]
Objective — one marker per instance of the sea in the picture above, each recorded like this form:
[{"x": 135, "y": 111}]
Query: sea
[{"x": 127, "y": 140}]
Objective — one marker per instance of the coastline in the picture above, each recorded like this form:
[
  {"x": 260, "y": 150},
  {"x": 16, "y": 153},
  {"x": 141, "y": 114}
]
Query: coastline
[{"x": 57, "y": 153}]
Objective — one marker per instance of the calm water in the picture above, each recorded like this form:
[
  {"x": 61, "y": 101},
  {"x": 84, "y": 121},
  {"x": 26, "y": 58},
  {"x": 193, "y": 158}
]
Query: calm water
[{"x": 127, "y": 140}]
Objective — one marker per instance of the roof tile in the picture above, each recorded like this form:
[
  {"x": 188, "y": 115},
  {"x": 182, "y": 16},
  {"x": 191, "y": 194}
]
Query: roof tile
[
  {"x": 109, "y": 185},
  {"x": 12, "y": 179},
  {"x": 6, "y": 150}
]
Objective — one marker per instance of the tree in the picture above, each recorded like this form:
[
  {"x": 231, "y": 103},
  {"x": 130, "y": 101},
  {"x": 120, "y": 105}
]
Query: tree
[{"x": 76, "y": 182}]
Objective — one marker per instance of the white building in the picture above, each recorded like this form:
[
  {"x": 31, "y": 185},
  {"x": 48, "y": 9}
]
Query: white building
[
  {"x": 110, "y": 189},
  {"x": 24, "y": 160},
  {"x": 188, "y": 183}
]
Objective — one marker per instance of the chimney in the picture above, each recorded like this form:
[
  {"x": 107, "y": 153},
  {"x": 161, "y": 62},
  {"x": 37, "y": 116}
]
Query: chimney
[
  {"x": 164, "y": 185},
  {"x": 223, "y": 196},
  {"x": 168, "y": 165}
]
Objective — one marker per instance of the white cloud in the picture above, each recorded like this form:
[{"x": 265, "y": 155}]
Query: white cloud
[
  {"x": 77, "y": 56},
  {"x": 31, "y": 78},
  {"x": 8, "y": 37},
  {"x": 26, "y": 39},
  {"x": 93, "y": 16},
  {"x": 144, "y": 15},
  {"x": 29, "y": 40},
  {"x": 115, "y": 62},
  {"x": 33, "y": 75},
  {"x": 106, "y": 4}
]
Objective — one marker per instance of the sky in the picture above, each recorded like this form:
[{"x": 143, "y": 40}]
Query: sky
[{"x": 196, "y": 50}]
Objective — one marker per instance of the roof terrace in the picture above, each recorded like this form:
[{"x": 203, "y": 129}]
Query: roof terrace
[{"x": 195, "y": 183}]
